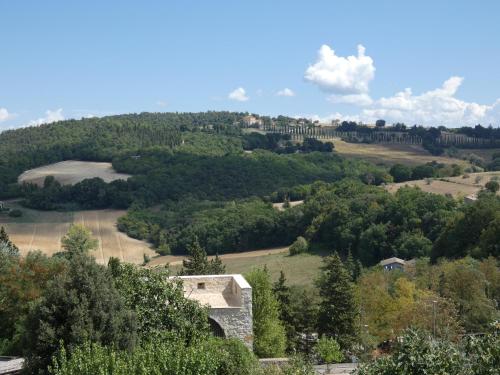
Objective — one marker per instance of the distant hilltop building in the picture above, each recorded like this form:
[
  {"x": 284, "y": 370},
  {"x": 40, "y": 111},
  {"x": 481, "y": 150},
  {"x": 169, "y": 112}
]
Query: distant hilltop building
[
  {"x": 230, "y": 300},
  {"x": 393, "y": 264},
  {"x": 252, "y": 121}
]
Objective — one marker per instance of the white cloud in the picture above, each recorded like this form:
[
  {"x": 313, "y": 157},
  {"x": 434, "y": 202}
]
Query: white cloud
[
  {"x": 238, "y": 94},
  {"x": 161, "y": 103},
  {"x": 50, "y": 116},
  {"x": 356, "y": 99},
  {"x": 4, "y": 114},
  {"x": 435, "y": 107},
  {"x": 341, "y": 75},
  {"x": 285, "y": 92}
]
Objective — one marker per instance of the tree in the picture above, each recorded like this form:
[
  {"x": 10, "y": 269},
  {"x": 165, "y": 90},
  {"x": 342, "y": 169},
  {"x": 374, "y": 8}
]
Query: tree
[
  {"x": 78, "y": 240},
  {"x": 76, "y": 306},
  {"x": 380, "y": 123},
  {"x": 198, "y": 264},
  {"x": 282, "y": 293},
  {"x": 416, "y": 354},
  {"x": 159, "y": 304},
  {"x": 299, "y": 246},
  {"x": 328, "y": 350},
  {"x": 400, "y": 172},
  {"x": 269, "y": 333},
  {"x": 338, "y": 308},
  {"x": 6, "y": 245},
  {"x": 492, "y": 186}
]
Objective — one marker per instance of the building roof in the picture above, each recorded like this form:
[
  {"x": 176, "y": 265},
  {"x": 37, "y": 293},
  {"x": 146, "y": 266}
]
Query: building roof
[
  {"x": 392, "y": 260},
  {"x": 11, "y": 365}
]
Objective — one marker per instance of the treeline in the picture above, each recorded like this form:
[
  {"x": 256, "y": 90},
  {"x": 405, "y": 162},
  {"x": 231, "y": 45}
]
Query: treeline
[
  {"x": 346, "y": 216},
  {"x": 401, "y": 172},
  {"x": 282, "y": 144},
  {"x": 161, "y": 175}
]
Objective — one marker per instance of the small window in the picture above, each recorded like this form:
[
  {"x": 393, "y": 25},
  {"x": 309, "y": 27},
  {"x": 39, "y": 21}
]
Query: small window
[{"x": 201, "y": 285}]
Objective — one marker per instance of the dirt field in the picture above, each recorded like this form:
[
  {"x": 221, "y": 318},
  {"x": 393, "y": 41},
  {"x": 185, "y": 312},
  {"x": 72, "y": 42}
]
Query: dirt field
[
  {"x": 456, "y": 186},
  {"x": 391, "y": 153},
  {"x": 72, "y": 171},
  {"x": 40, "y": 230}
]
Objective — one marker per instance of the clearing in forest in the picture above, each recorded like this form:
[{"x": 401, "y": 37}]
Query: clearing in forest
[
  {"x": 70, "y": 172},
  {"x": 460, "y": 186},
  {"x": 389, "y": 154}
]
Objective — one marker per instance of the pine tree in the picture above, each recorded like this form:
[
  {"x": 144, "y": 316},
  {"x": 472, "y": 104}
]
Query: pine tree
[
  {"x": 197, "y": 263},
  {"x": 338, "y": 309},
  {"x": 282, "y": 293},
  {"x": 353, "y": 266}
]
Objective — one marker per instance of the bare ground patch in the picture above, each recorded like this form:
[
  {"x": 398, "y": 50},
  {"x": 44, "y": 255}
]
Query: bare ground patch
[{"x": 71, "y": 172}]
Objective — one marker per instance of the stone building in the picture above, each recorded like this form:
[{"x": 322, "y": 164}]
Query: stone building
[
  {"x": 230, "y": 300},
  {"x": 393, "y": 264}
]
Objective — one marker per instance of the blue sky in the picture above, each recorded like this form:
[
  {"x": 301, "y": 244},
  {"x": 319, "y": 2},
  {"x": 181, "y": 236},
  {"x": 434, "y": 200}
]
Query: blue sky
[{"x": 68, "y": 59}]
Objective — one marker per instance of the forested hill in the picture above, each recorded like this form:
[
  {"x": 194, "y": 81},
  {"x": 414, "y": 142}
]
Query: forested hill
[{"x": 100, "y": 139}]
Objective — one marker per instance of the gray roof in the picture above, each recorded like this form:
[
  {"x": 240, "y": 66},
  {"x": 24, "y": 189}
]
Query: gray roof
[{"x": 392, "y": 260}]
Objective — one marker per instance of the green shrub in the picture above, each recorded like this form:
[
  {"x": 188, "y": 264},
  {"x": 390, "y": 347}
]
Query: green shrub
[
  {"x": 328, "y": 350},
  {"x": 15, "y": 213},
  {"x": 299, "y": 246}
]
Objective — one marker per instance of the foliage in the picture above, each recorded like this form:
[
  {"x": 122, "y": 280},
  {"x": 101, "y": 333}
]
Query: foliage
[
  {"x": 78, "y": 305},
  {"x": 197, "y": 262},
  {"x": 338, "y": 312},
  {"x": 328, "y": 350},
  {"x": 78, "y": 241},
  {"x": 299, "y": 246},
  {"x": 416, "y": 354},
  {"x": 269, "y": 333},
  {"x": 7, "y": 247},
  {"x": 22, "y": 281},
  {"x": 157, "y": 357},
  {"x": 158, "y": 303},
  {"x": 492, "y": 186}
]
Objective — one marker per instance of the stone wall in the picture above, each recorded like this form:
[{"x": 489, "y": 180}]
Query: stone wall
[{"x": 230, "y": 301}]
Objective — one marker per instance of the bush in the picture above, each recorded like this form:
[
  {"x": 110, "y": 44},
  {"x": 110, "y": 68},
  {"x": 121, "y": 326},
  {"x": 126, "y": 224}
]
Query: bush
[
  {"x": 328, "y": 350},
  {"x": 15, "y": 213},
  {"x": 492, "y": 186},
  {"x": 299, "y": 246}
]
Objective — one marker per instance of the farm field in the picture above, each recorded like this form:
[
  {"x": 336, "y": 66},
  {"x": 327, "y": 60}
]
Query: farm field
[
  {"x": 42, "y": 230},
  {"x": 300, "y": 269},
  {"x": 459, "y": 186},
  {"x": 71, "y": 172},
  {"x": 389, "y": 154}
]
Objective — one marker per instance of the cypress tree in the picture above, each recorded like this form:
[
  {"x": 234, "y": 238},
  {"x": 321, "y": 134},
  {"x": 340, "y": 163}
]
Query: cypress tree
[{"x": 338, "y": 309}]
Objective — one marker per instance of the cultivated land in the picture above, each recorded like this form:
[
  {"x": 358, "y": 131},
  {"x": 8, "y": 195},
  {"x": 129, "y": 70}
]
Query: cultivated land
[
  {"x": 71, "y": 172},
  {"x": 389, "y": 154},
  {"x": 42, "y": 230},
  {"x": 468, "y": 184}
]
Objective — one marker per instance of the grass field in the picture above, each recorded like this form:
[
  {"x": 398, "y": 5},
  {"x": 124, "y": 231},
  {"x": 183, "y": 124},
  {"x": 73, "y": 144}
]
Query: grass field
[
  {"x": 300, "y": 269},
  {"x": 459, "y": 186},
  {"x": 72, "y": 171},
  {"x": 389, "y": 154},
  {"x": 42, "y": 230}
]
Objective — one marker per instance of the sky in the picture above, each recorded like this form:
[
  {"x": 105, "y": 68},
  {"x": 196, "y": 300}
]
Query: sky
[{"x": 419, "y": 62}]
